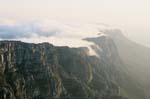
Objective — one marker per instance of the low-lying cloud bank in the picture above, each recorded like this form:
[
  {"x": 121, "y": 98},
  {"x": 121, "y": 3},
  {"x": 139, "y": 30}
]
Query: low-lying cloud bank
[
  {"x": 57, "y": 33},
  {"x": 47, "y": 31},
  {"x": 31, "y": 29}
]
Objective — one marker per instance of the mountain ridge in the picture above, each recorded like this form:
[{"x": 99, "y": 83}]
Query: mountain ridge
[{"x": 44, "y": 71}]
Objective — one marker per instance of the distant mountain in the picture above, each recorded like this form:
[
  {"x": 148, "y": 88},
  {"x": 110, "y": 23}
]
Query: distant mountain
[
  {"x": 44, "y": 71},
  {"x": 130, "y": 87},
  {"x": 136, "y": 58}
]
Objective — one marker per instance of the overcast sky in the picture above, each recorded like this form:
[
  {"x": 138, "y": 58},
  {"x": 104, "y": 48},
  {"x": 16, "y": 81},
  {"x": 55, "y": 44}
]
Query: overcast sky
[{"x": 131, "y": 16}]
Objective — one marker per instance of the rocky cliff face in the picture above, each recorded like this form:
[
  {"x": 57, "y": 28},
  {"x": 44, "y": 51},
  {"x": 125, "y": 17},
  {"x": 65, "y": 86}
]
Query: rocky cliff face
[
  {"x": 44, "y": 71},
  {"x": 119, "y": 69},
  {"x": 135, "y": 58}
]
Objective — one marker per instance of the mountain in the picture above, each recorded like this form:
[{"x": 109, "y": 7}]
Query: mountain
[
  {"x": 45, "y": 71},
  {"x": 130, "y": 87},
  {"x": 135, "y": 58}
]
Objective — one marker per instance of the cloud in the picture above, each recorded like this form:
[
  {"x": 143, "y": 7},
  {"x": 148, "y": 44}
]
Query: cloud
[
  {"x": 12, "y": 32},
  {"x": 58, "y": 33},
  {"x": 12, "y": 29},
  {"x": 26, "y": 30},
  {"x": 55, "y": 32}
]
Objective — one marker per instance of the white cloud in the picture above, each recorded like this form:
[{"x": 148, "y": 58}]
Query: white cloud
[
  {"x": 12, "y": 29},
  {"x": 57, "y": 33}
]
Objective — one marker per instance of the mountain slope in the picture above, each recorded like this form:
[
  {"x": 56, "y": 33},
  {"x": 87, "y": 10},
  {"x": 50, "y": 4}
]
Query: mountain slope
[
  {"x": 132, "y": 87},
  {"x": 43, "y": 71},
  {"x": 135, "y": 57}
]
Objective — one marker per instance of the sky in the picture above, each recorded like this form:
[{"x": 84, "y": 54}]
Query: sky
[{"x": 21, "y": 17}]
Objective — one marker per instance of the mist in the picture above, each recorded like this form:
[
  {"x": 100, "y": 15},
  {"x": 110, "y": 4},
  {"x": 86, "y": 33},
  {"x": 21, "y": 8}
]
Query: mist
[
  {"x": 74, "y": 49},
  {"x": 132, "y": 17}
]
